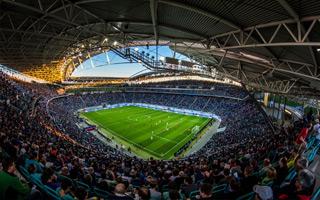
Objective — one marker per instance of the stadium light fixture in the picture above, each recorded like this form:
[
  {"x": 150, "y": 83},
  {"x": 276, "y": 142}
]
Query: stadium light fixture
[
  {"x": 105, "y": 40},
  {"x": 82, "y": 46},
  {"x": 254, "y": 57},
  {"x": 115, "y": 43},
  {"x": 162, "y": 58},
  {"x": 318, "y": 50}
]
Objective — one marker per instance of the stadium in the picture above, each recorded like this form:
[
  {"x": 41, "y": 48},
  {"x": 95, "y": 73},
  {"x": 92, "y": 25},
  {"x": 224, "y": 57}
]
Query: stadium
[{"x": 160, "y": 99}]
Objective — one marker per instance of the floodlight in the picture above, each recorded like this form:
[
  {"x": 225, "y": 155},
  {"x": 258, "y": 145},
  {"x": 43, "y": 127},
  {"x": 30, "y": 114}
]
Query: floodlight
[
  {"x": 162, "y": 58},
  {"x": 104, "y": 40}
]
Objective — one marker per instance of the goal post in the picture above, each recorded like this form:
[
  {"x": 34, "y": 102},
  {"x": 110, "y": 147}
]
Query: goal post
[{"x": 195, "y": 130}]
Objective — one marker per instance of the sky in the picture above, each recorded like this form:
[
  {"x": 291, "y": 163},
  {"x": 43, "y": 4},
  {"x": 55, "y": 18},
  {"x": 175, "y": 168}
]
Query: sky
[{"x": 119, "y": 67}]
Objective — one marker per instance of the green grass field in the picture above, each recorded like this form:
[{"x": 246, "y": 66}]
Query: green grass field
[{"x": 146, "y": 131}]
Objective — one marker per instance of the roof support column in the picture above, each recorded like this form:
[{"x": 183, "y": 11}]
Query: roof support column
[{"x": 154, "y": 16}]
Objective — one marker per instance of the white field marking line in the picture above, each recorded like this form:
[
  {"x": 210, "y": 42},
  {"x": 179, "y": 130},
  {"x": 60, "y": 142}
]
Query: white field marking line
[
  {"x": 157, "y": 135},
  {"x": 207, "y": 121},
  {"x": 141, "y": 147},
  {"x": 178, "y": 142},
  {"x": 137, "y": 118},
  {"x": 137, "y": 115},
  {"x": 174, "y": 124},
  {"x": 101, "y": 113},
  {"x": 119, "y": 122},
  {"x": 146, "y": 149},
  {"x": 165, "y": 139},
  {"x": 204, "y": 123},
  {"x": 125, "y": 139},
  {"x": 133, "y": 118},
  {"x": 178, "y": 122}
]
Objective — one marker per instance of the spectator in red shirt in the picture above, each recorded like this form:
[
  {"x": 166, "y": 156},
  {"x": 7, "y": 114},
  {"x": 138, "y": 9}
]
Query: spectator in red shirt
[{"x": 301, "y": 139}]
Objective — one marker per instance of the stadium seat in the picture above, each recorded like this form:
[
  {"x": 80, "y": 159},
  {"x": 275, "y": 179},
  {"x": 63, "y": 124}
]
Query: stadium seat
[
  {"x": 219, "y": 188},
  {"x": 36, "y": 179},
  {"x": 37, "y": 165},
  {"x": 101, "y": 193},
  {"x": 164, "y": 188},
  {"x": 61, "y": 177},
  {"x": 24, "y": 172},
  {"x": 84, "y": 154},
  {"x": 257, "y": 174},
  {"x": 51, "y": 193},
  {"x": 291, "y": 175},
  {"x": 310, "y": 142},
  {"x": 82, "y": 185},
  {"x": 248, "y": 196},
  {"x": 165, "y": 196},
  {"x": 316, "y": 194},
  {"x": 194, "y": 194},
  {"x": 313, "y": 153},
  {"x": 68, "y": 197},
  {"x": 65, "y": 197}
]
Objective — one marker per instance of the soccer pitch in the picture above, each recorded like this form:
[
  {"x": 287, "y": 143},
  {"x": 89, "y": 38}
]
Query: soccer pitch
[{"x": 148, "y": 132}]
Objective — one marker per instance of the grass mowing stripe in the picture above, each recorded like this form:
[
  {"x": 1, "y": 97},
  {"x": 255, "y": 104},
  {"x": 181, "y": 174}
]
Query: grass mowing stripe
[
  {"x": 147, "y": 128},
  {"x": 152, "y": 152},
  {"x": 124, "y": 138},
  {"x": 184, "y": 138}
]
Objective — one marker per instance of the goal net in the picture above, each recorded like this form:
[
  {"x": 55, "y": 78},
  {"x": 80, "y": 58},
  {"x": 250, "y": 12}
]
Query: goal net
[{"x": 195, "y": 130}]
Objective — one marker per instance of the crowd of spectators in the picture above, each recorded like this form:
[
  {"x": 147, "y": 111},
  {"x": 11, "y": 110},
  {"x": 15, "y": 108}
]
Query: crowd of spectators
[
  {"x": 55, "y": 156},
  {"x": 193, "y": 87}
]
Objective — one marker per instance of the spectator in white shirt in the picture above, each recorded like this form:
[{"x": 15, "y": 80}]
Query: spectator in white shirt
[
  {"x": 317, "y": 142},
  {"x": 316, "y": 126}
]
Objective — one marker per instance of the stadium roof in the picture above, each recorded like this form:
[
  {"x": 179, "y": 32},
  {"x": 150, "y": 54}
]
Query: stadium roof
[{"x": 269, "y": 44}]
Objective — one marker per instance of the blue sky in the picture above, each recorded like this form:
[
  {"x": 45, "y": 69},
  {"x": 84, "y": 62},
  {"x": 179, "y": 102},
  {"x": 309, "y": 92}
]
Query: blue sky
[{"x": 119, "y": 67}]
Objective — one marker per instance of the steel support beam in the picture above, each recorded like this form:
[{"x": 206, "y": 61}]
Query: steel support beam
[
  {"x": 154, "y": 17},
  {"x": 296, "y": 17},
  {"x": 284, "y": 67},
  {"x": 289, "y": 9},
  {"x": 146, "y": 23},
  {"x": 200, "y": 11},
  {"x": 41, "y": 34},
  {"x": 297, "y": 37}
]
